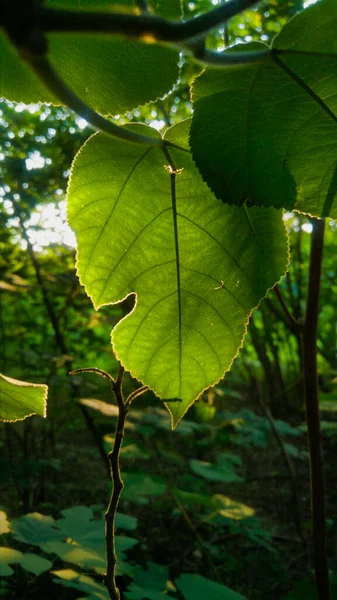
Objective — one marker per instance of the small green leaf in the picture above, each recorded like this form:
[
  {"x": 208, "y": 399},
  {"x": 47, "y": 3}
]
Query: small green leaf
[
  {"x": 77, "y": 555},
  {"x": 197, "y": 267},
  {"x": 8, "y": 556},
  {"x": 193, "y": 499},
  {"x": 224, "y": 470},
  {"x": 149, "y": 584},
  {"x": 19, "y": 399},
  {"x": 139, "y": 485},
  {"x": 267, "y": 131},
  {"x": 125, "y": 522},
  {"x": 77, "y": 581},
  {"x": 195, "y": 587},
  {"x": 35, "y": 529},
  {"x": 35, "y": 564},
  {"x": 230, "y": 509}
]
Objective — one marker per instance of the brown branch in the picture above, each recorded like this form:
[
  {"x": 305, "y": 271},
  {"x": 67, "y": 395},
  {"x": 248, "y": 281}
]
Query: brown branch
[
  {"x": 293, "y": 323},
  {"x": 117, "y": 486},
  {"x": 140, "y": 25},
  {"x": 135, "y": 394},
  {"x": 289, "y": 466},
  {"x": 309, "y": 345}
]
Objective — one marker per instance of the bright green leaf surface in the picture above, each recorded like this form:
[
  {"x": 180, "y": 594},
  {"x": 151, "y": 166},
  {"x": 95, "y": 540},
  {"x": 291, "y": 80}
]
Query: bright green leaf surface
[
  {"x": 197, "y": 267},
  {"x": 111, "y": 74},
  {"x": 195, "y": 587},
  {"x": 230, "y": 509},
  {"x": 267, "y": 131},
  {"x": 19, "y": 399},
  {"x": 4, "y": 523}
]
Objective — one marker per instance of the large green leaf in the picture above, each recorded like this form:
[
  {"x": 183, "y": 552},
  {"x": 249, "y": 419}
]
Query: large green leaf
[
  {"x": 19, "y": 399},
  {"x": 197, "y": 267},
  {"x": 111, "y": 74},
  {"x": 195, "y": 587},
  {"x": 268, "y": 131}
]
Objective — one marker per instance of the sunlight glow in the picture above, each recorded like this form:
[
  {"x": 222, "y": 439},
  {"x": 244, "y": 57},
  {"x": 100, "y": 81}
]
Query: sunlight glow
[
  {"x": 55, "y": 229},
  {"x": 35, "y": 161},
  {"x": 309, "y": 3},
  {"x": 307, "y": 227}
]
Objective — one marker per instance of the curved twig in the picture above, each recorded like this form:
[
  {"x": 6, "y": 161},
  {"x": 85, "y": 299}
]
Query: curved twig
[
  {"x": 140, "y": 25},
  {"x": 62, "y": 92},
  {"x": 117, "y": 487},
  {"x": 46, "y": 72},
  {"x": 93, "y": 370}
]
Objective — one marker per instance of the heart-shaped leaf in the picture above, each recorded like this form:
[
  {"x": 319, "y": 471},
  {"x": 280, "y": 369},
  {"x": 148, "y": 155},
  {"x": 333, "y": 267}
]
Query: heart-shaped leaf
[
  {"x": 268, "y": 131},
  {"x": 196, "y": 267},
  {"x": 19, "y": 399}
]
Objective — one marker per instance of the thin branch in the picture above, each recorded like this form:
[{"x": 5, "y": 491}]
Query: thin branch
[
  {"x": 226, "y": 58},
  {"x": 46, "y": 72},
  {"x": 117, "y": 486},
  {"x": 294, "y": 485},
  {"x": 309, "y": 345},
  {"x": 135, "y": 394},
  {"x": 62, "y": 92},
  {"x": 293, "y": 323},
  {"x": 139, "y": 25},
  {"x": 93, "y": 370}
]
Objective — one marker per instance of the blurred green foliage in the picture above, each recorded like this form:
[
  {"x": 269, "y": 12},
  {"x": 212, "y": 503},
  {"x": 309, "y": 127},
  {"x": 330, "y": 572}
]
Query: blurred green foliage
[{"x": 213, "y": 498}]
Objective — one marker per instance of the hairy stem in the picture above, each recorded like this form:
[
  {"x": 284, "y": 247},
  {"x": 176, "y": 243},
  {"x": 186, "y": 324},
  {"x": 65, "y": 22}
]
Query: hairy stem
[
  {"x": 117, "y": 486},
  {"x": 309, "y": 345}
]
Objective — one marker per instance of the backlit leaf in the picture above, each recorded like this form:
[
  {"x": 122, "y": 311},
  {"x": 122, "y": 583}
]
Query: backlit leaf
[
  {"x": 19, "y": 399},
  {"x": 197, "y": 267},
  {"x": 112, "y": 74},
  {"x": 267, "y": 131}
]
